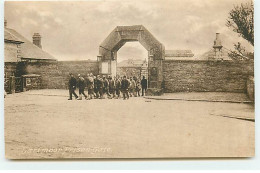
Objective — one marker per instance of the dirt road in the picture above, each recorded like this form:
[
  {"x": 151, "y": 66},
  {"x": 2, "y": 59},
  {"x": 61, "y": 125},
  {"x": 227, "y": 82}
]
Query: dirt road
[{"x": 40, "y": 126}]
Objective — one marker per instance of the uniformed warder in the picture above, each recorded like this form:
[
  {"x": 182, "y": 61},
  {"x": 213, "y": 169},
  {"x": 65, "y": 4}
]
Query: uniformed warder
[
  {"x": 87, "y": 85},
  {"x": 124, "y": 88},
  {"x": 72, "y": 86},
  {"x": 81, "y": 86},
  {"x": 105, "y": 86},
  {"x": 90, "y": 86},
  {"x": 144, "y": 85},
  {"x": 118, "y": 87},
  {"x": 95, "y": 86},
  {"x": 129, "y": 82},
  {"x": 100, "y": 87},
  {"x": 111, "y": 87}
]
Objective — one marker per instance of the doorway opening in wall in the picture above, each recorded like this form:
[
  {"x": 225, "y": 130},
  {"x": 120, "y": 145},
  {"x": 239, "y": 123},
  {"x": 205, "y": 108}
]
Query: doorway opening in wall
[{"x": 132, "y": 61}]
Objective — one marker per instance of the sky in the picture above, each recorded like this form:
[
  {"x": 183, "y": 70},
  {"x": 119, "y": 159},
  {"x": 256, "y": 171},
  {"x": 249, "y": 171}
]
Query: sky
[{"x": 74, "y": 30}]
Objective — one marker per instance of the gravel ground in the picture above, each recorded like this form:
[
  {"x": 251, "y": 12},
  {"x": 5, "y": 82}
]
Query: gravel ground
[
  {"x": 44, "y": 124},
  {"x": 205, "y": 96}
]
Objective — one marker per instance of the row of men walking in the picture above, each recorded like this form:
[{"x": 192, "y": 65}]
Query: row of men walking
[{"x": 97, "y": 87}]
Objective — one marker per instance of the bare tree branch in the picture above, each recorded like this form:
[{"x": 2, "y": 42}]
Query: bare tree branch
[{"x": 241, "y": 21}]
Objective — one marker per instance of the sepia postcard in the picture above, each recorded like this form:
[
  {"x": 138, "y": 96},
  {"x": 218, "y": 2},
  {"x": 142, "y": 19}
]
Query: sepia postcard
[{"x": 129, "y": 79}]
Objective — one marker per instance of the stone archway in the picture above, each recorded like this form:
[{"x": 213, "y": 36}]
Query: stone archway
[{"x": 118, "y": 37}]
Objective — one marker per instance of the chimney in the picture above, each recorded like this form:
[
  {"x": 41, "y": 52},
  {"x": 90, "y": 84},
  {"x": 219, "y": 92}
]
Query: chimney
[
  {"x": 5, "y": 23},
  {"x": 217, "y": 42},
  {"x": 37, "y": 39}
]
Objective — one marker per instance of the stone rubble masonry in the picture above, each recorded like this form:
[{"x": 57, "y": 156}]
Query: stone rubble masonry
[
  {"x": 10, "y": 70},
  {"x": 178, "y": 75},
  {"x": 201, "y": 76},
  {"x": 31, "y": 82},
  {"x": 55, "y": 75},
  {"x": 251, "y": 87}
]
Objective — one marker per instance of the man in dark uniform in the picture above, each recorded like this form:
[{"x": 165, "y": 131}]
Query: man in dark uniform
[
  {"x": 112, "y": 86},
  {"x": 100, "y": 86},
  {"x": 118, "y": 86},
  {"x": 95, "y": 87},
  {"x": 144, "y": 85},
  {"x": 105, "y": 86},
  {"x": 72, "y": 86},
  {"x": 81, "y": 85},
  {"x": 124, "y": 88}
]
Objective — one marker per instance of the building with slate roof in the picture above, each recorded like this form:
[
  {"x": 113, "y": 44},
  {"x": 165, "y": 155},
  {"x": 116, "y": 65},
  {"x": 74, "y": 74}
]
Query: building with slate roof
[
  {"x": 131, "y": 63},
  {"x": 179, "y": 55},
  {"x": 133, "y": 67},
  {"x": 12, "y": 47},
  {"x": 27, "y": 50}
]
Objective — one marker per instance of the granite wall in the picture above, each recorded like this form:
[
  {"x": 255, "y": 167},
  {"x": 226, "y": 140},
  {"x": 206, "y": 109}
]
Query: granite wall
[
  {"x": 200, "y": 76},
  {"x": 55, "y": 75}
]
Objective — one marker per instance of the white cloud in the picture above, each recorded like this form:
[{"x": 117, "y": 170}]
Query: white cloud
[
  {"x": 75, "y": 29},
  {"x": 44, "y": 13}
]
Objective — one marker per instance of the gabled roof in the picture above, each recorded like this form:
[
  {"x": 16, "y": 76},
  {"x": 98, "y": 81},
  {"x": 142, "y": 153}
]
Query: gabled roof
[
  {"x": 211, "y": 55},
  {"x": 178, "y": 53},
  {"x": 28, "y": 49},
  {"x": 131, "y": 63},
  {"x": 9, "y": 37}
]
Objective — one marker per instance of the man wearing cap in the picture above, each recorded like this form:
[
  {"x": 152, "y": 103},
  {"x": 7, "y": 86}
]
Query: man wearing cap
[
  {"x": 144, "y": 85},
  {"x": 124, "y": 87},
  {"x": 100, "y": 86},
  {"x": 132, "y": 87},
  {"x": 91, "y": 86},
  {"x": 96, "y": 86},
  {"x": 112, "y": 86},
  {"x": 105, "y": 86},
  {"x": 72, "y": 86},
  {"x": 117, "y": 86},
  {"x": 81, "y": 85}
]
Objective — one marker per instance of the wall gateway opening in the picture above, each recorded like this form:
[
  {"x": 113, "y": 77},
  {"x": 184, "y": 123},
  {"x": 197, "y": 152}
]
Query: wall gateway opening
[
  {"x": 132, "y": 61},
  {"x": 118, "y": 37}
]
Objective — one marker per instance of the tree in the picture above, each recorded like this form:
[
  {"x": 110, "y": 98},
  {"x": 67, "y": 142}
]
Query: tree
[{"x": 241, "y": 20}]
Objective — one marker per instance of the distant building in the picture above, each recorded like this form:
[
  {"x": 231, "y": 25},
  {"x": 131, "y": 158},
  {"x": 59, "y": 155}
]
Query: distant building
[
  {"x": 26, "y": 50},
  {"x": 18, "y": 49},
  {"x": 131, "y": 67},
  {"x": 178, "y": 54},
  {"x": 217, "y": 52}
]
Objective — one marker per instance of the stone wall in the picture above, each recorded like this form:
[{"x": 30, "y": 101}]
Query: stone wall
[
  {"x": 250, "y": 85},
  {"x": 55, "y": 75},
  {"x": 31, "y": 82},
  {"x": 9, "y": 70},
  {"x": 12, "y": 52},
  {"x": 220, "y": 76},
  {"x": 178, "y": 75}
]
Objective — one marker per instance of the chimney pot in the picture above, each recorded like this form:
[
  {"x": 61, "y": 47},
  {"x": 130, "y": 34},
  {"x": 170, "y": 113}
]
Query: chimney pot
[
  {"x": 217, "y": 42},
  {"x": 37, "y": 39}
]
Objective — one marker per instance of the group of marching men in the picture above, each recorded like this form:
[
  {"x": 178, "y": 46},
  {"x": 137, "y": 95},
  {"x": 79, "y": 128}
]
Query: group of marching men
[{"x": 99, "y": 86}]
